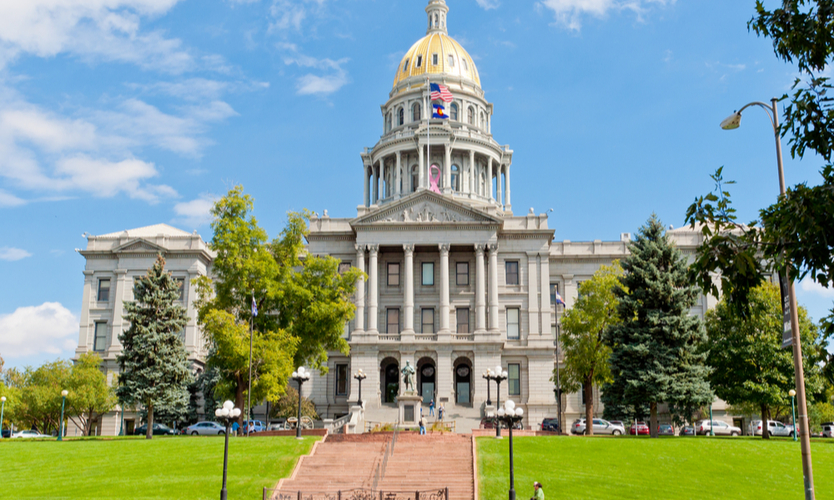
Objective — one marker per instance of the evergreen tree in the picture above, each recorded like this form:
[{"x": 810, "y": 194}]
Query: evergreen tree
[
  {"x": 656, "y": 352},
  {"x": 153, "y": 363}
]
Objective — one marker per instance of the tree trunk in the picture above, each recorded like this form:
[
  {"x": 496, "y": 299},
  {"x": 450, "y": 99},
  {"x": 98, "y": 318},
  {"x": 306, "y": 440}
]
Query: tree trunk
[
  {"x": 149, "y": 431},
  {"x": 653, "y": 420},
  {"x": 588, "y": 387},
  {"x": 765, "y": 430}
]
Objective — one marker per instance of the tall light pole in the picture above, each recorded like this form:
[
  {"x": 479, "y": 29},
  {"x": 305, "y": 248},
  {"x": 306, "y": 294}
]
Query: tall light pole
[
  {"x": 300, "y": 376},
  {"x": 499, "y": 376},
  {"x": 63, "y": 402},
  {"x": 359, "y": 376},
  {"x": 510, "y": 415},
  {"x": 249, "y": 388},
  {"x": 488, "y": 376},
  {"x": 227, "y": 414},
  {"x": 792, "y": 394},
  {"x": 2, "y": 410},
  {"x": 730, "y": 123}
]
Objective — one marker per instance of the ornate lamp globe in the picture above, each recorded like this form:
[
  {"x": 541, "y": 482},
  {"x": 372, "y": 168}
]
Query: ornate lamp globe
[{"x": 64, "y": 393}]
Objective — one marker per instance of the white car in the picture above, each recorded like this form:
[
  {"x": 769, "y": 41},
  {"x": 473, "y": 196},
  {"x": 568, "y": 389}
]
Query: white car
[
  {"x": 206, "y": 429},
  {"x": 828, "y": 429},
  {"x": 774, "y": 427},
  {"x": 600, "y": 427},
  {"x": 29, "y": 434},
  {"x": 718, "y": 427}
]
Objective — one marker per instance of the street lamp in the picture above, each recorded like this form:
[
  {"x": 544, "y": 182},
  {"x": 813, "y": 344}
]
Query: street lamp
[
  {"x": 510, "y": 415},
  {"x": 359, "y": 376},
  {"x": 499, "y": 376},
  {"x": 3, "y": 409},
  {"x": 227, "y": 414},
  {"x": 792, "y": 394},
  {"x": 63, "y": 402},
  {"x": 730, "y": 123},
  {"x": 488, "y": 376},
  {"x": 300, "y": 376}
]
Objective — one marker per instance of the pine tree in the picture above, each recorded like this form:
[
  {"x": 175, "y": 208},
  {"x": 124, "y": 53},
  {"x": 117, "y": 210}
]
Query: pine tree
[
  {"x": 657, "y": 349},
  {"x": 153, "y": 363}
]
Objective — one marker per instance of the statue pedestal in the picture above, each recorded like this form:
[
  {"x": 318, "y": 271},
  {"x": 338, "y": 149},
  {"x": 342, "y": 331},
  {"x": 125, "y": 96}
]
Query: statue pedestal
[{"x": 410, "y": 404}]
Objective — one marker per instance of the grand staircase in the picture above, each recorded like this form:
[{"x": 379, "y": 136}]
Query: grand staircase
[{"x": 411, "y": 463}]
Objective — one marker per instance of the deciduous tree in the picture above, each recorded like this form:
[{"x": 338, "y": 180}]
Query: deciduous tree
[{"x": 90, "y": 396}]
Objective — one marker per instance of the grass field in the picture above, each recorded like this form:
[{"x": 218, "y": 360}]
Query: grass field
[
  {"x": 673, "y": 468},
  {"x": 164, "y": 467}
]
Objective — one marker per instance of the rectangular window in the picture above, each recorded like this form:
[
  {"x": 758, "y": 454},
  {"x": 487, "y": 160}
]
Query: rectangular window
[
  {"x": 465, "y": 65},
  {"x": 393, "y": 274},
  {"x": 344, "y": 267},
  {"x": 462, "y": 315},
  {"x": 514, "y": 379},
  {"x": 181, "y": 289},
  {"x": 434, "y": 59},
  {"x": 100, "y": 337},
  {"x": 451, "y": 61},
  {"x": 511, "y": 266},
  {"x": 512, "y": 322},
  {"x": 419, "y": 61},
  {"x": 427, "y": 319},
  {"x": 341, "y": 380},
  {"x": 103, "y": 290},
  {"x": 462, "y": 273},
  {"x": 554, "y": 290},
  {"x": 405, "y": 66},
  {"x": 428, "y": 273},
  {"x": 393, "y": 320}
]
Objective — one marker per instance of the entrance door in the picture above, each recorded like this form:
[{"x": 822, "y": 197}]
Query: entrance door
[
  {"x": 426, "y": 379},
  {"x": 462, "y": 383},
  {"x": 428, "y": 392},
  {"x": 391, "y": 381}
]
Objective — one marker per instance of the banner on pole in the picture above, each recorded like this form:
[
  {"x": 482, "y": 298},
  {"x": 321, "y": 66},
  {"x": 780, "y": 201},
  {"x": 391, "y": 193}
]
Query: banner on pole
[{"x": 787, "y": 333}]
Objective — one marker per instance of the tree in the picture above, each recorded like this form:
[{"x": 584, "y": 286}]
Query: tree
[
  {"x": 287, "y": 406},
  {"x": 746, "y": 352},
  {"x": 40, "y": 395},
  {"x": 655, "y": 349},
  {"x": 153, "y": 364},
  {"x": 90, "y": 395},
  {"x": 583, "y": 329}
]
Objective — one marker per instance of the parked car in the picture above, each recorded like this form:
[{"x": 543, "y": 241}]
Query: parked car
[
  {"x": 600, "y": 427},
  {"x": 665, "y": 430},
  {"x": 550, "y": 424},
  {"x": 775, "y": 428},
  {"x": 158, "y": 430},
  {"x": 29, "y": 434},
  {"x": 638, "y": 429},
  {"x": 617, "y": 422},
  {"x": 7, "y": 433},
  {"x": 719, "y": 428},
  {"x": 205, "y": 429},
  {"x": 687, "y": 431},
  {"x": 828, "y": 429},
  {"x": 277, "y": 425},
  {"x": 252, "y": 426}
]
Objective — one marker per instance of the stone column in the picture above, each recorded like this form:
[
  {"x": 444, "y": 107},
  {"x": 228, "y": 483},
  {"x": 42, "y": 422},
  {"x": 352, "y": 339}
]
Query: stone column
[
  {"x": 408, "y": 299},
  {"x": 444, "y": 288},
  {"x": 118, "y": 310},
  {"x": 374, "y": 288},
  {"x": 376, "y": 183},
  {"x": 447, "y": 170},
  {"x": 85, "y": 334},
  {"x": 499, "y": 184},
  {"x": 422, "y": 166},
  {"x": 532, "y": 295},
  {"x": 398, "y": 176},
  {"x": 544, "y": 275},
  {"x": 473, "y": 185},
  {"x": 489, "y": 177},
  {"x": 359, "y": 323},
  {"x": 480, "y": 302},
  {"x": 493, "y": 287},
  {"x": 366, "y": 201},
  {"x": 509, "y": 204}
]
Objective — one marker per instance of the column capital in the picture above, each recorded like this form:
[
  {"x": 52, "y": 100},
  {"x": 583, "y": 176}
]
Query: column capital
[
  {"x": 408, "y": 248},
  {"x": 493, "y": 248},
  {"x": 373, "y": 249},
  {"x": 360, "y": 248},
  {"x": 480, "y": 248},
  {"x": 444, "y": 248}
]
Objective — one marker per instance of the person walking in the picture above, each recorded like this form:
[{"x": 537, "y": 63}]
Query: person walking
[
  {"x": 431, "y": 407},
  {"x": 440, "y": 412},
  {"x": 422, "y": 426},
  {"x": 539, "y": 492}
]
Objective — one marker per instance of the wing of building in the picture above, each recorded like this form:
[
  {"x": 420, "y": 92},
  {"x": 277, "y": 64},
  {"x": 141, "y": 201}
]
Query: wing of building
[{"x": 457, "y": 282}]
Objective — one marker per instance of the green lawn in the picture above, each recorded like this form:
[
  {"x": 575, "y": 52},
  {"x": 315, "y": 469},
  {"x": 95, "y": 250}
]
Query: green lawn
[
  {"x": 165, "y": 467},
  {"x": 666, "y": 468}
]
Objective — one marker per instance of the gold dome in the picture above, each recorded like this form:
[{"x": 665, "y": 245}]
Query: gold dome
[{"x": 452, "y": 60}]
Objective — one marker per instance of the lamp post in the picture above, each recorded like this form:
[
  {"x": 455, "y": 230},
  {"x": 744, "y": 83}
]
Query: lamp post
[
  {"x": 499, "y": 376},
  {"x": 711, "y": 431},
  {"x": 730, "y": 123},
  {"x": 510, "y": 415},
  {"x": 2, "y": 410},
  {"x": 488, "y": 376},
  {"x": 792, "y": 394},
  {"x": 227, "y": 414},
  {"x": 359, "y": 376},
  {"x": 63, "y": 402},
  {"x": 300, "y": 376}
]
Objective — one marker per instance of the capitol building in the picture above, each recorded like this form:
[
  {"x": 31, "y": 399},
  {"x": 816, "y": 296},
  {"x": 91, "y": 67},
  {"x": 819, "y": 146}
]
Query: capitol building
[{"x": 458, "y": 281}]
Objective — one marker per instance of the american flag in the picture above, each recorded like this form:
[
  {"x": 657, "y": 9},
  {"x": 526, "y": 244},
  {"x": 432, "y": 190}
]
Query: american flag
[{"x": 441, "y": 93}]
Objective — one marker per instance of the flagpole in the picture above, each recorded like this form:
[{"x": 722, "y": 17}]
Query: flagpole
[
  {"x": 428, "y": 133},
  {"x": 249, "y": 391}
]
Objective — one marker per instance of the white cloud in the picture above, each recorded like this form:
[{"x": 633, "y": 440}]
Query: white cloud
[
  {"x": 195, "y": 213},
  {"x": 569, "y": 13},
  {"x": 488, "y": 4},
  {"x": 47, "y": 328},
  {"x": 10, "y": 200},
  {"x": 12, "y": 254},
  {"x": 288, "y": 14},
  {"x": 335, "y": 78},
  {"x": 810, "y": 286}
]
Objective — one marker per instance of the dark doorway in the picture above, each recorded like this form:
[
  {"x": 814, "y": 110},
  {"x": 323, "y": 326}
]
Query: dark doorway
[
  {"x": 390, "y": 379},
  {"x": 426, "y": 379},
  {"x": 463, "y": 382}
]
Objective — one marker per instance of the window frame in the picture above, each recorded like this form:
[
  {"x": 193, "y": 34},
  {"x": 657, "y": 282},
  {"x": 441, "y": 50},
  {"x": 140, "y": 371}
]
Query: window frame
[
  {"x": 389, "y": 275},
  {"x": 465, "y": 313},
  {"x": 342, "y": 380},
  {"x": 103, "y": 336},
  {"x": 451, "y": 59},
  {"x": 435, "y": 59},
  {"x": 458, "y": 273},
  {"x": 453, "y": 112},
  {"x": 517, "y": 323},
  {"x": 423, "y": 322},
  {"x": 181, "y": 289},
  {"x": 99, "y": 289},
  {"x": 416, "y": 112},
  {"x": 419, "y": 60},
  {"x": 388, "y": 321},
  {"x": 517, "y": 280},
  {"x": 405, "y": 65},
  {"x": 514, "y": 391},
  {"x": 344, "y": 266},
  {"x": 423, "y": 273}
]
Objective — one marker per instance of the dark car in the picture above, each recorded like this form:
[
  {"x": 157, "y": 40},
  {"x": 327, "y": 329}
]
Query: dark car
[
  {"x": 7, "y": 433},
  {"x": 665, "y": 430},
  {"x": 550, "y": 424},
  {"x": 158, "y": 430},
  {"x": 687, "y": 431}
]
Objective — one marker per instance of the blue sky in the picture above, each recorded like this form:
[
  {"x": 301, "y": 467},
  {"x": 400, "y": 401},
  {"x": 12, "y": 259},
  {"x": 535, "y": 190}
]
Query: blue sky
[{"x": 117, "y": 114}]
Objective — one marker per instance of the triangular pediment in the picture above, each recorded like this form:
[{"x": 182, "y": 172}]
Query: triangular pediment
[
  {"x": 139, "y": 245},
  {"x": 426, "y": 207}
]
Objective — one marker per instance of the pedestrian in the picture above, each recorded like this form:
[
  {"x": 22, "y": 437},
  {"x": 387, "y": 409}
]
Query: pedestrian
[
  {"x": 431, "y": 407},
  {"x": 422, "y": 426},
  {"x": 440, "y": 412},
  {"x": 539, "y": 492},
  {"x": 235, "y": 427}
]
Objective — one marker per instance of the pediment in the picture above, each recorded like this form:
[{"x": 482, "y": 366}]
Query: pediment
[
  {"x": 426, "y": 207},
  {"x": 139, "y": 245}
]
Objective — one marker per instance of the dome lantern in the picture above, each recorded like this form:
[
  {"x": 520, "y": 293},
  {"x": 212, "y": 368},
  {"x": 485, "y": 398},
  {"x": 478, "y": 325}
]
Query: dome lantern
[{"x": 437, "y": 10}]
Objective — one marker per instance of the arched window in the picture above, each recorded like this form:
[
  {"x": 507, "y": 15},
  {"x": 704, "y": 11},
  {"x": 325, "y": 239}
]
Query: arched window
[
  {"x": 455, "y": 178},
  {"x": 415, "y": 113},
  {"x": 454, "y": 112},
  {"x": 401, "y": 117},
  {"x": 414, "y": 178},
  {"x": 483, "y": 120},
  {"x": 471, "y": 116},
  {"x": 435, "y": 20}
]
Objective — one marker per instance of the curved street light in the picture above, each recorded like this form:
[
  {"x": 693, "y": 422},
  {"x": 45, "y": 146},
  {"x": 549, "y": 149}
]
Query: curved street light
[
  {"x": 300, "y": 376},
  {"x": 498, "y": 376},
  {"x": 511, "y": 415},
  {"x": 63, "y": 402},
  {"x": 226, "y": 414},
  {"x": 733, "y": 122},
  {"x": 359, "y": 376}
]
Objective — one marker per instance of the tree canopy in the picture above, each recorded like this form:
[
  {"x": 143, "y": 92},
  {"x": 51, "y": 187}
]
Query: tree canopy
[{"x": 90, "y": 396}]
